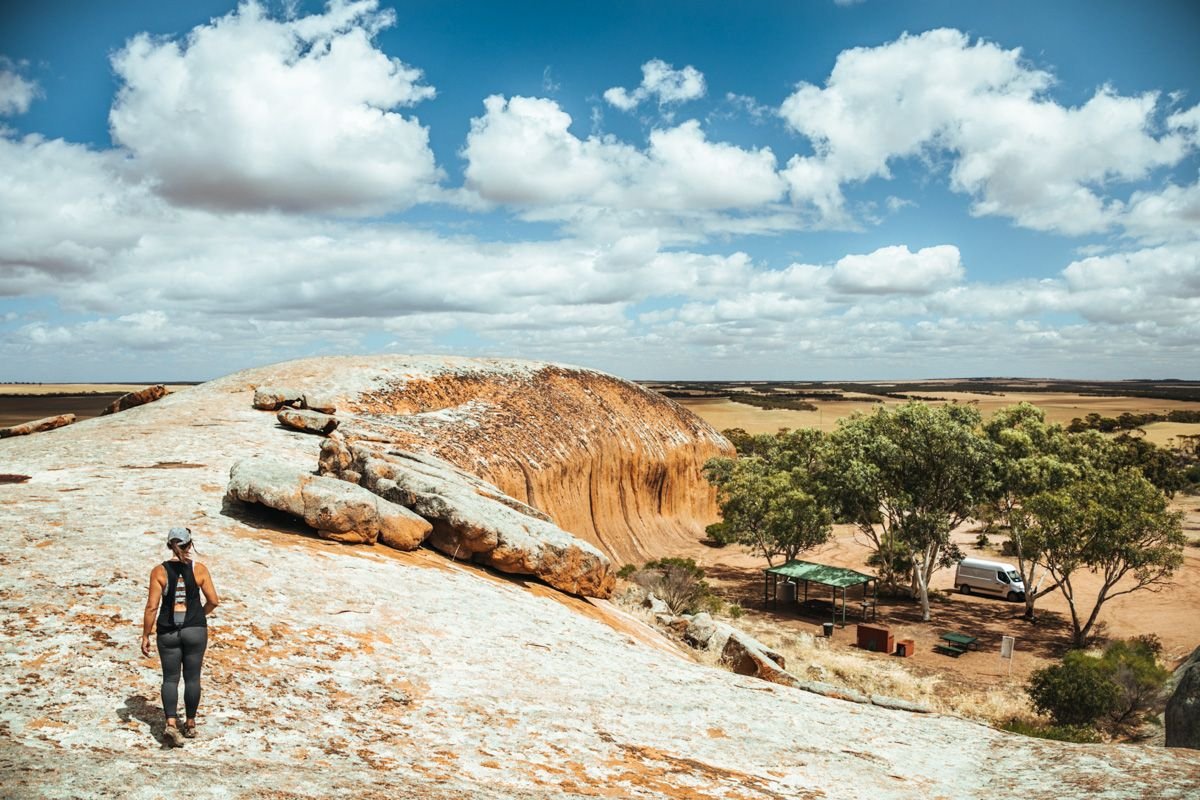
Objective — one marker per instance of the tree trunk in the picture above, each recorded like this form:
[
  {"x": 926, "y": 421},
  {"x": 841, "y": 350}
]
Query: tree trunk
[
  {"x": 1081, "y": 634},
  {"x": 922, "y": 588},
  {"x": 1030, "y": 589},
  {"x": 1077, "y": 636}
]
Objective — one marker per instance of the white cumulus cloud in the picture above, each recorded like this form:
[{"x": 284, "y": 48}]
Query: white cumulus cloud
[
  {"x": 16, "y": 92},
  {"x": 1017, "y": 152},
  {"x": 660, "y": 81},
  {"x": 897, "y": 270},
  {"x": 298, "y": 114},
  {"x": 522, "y": 152}
]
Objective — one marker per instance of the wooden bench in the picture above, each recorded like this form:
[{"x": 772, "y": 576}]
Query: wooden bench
[{"x": 949, "y": 649}]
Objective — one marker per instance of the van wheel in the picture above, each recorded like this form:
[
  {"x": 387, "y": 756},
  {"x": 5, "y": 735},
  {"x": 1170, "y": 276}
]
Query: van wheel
[
  {"x": 965, "y": 589},
  {"x": 1012, "y": 597}
]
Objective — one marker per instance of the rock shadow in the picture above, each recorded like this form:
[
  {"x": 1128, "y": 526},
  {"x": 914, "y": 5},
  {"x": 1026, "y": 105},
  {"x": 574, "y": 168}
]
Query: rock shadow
[{"x": 255, "y": 515}]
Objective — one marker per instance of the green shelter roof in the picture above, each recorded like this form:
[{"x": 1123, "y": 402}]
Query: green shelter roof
[{"x": 820, "y": 573}]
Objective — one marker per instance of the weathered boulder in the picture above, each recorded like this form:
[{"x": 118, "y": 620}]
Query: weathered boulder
[
  {"x": 318, "y": 402},
  {"x": 1182, "y": 716},
  {"x": 307, "y": 421},
  {"x": 700, "y": 631},
  {"x": 472, "y": 518},
  {"x": 37, "y": 426},
  {"x": 138, "y": 398},
  {"x": 272, "y": 398},
  {"x": 338, "y": 510},
  {"x": 745, "y": 655},
  {"x": 656, "y": 605}
]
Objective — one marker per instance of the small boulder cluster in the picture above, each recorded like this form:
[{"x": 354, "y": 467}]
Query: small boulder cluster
[
  {"x": 745, "y": 655},
  {"x": 367, "y": 491},
  {"x": 308, "y": 412},
  {"x": 740, "y": 651}
]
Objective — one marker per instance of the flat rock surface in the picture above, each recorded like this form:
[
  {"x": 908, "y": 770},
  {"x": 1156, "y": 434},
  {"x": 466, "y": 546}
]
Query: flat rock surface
[{"x": 391, "y": 674}]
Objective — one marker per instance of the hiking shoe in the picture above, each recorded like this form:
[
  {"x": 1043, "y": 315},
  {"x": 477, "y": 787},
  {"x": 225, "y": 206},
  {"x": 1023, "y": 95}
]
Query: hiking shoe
[
  {"x": 189, "y": 730},
  {"x": 173, "y": 736}
]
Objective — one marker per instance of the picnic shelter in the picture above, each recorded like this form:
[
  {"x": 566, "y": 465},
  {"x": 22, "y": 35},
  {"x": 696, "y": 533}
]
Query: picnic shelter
[{"x": 806, "y": 572}]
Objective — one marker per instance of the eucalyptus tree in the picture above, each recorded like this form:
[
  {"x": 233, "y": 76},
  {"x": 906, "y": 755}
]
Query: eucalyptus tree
[
  {"x": 1030, "y": 456},
  {"x": 907, "y": 476},
  {"x": 772, "y": 501},
  {"x": 1113, "y": 523}
]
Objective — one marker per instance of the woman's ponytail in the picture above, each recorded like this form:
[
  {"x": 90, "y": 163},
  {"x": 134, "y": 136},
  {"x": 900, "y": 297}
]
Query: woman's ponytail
[{"x": 182, "y": 552}]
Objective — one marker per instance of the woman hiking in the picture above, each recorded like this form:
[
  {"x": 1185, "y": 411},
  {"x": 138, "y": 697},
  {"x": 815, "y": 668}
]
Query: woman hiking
[{"x": 174, "y": 603}]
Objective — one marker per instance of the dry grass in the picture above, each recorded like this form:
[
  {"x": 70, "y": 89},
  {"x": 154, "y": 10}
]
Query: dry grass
[{"x": 814, "y": 658}]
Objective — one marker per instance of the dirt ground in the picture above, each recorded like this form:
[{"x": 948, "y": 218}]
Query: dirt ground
[{"x": 1170, "y": 614}]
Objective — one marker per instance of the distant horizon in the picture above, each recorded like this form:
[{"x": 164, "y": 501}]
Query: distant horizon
[{"x": 193, "y": 382}]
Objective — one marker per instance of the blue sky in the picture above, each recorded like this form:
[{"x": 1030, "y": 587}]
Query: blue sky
[{"x": 661, "y": 190}]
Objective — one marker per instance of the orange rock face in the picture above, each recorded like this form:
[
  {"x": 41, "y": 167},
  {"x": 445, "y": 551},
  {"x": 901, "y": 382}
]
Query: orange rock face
[
  {"x": 134, "y": 399},
  {"x": 37, "y": 426},
  {"x": 609, "y": 461}
]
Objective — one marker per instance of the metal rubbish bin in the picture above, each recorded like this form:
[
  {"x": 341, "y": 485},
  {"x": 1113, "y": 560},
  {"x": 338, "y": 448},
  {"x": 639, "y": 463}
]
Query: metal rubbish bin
[{"x": 828, "y": 628}]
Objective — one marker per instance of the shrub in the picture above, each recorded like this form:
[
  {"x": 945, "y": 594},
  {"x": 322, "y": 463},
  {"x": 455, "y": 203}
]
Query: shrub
[
  {"x": 1133, "y": 668},
  {"x": 982, "y": 541},
  {"x": 678, "y": 582},
  {"x": 720, "y": 535},
  {"x": 1076, "y": 692},
  {"x": 735, "y": 611},
  {"x": 627, "y": 571}
]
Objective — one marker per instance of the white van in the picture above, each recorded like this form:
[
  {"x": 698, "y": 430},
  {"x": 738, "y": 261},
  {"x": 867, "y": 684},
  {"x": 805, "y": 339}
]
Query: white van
[{"x": 989, "y": 577}]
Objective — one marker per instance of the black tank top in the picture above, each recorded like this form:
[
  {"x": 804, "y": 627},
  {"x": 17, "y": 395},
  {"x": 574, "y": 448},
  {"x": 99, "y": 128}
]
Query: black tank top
[{"x": 177, "y": 572}]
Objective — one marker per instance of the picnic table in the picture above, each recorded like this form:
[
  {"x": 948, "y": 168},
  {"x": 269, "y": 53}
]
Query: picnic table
[{"x": 956, "y": 643}]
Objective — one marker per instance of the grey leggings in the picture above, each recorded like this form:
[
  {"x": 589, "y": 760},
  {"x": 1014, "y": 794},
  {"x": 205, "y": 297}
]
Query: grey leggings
[{"x": 182, "y": 647}]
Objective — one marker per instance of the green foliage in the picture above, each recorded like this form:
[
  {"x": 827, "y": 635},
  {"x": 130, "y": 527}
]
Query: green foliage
[
  {"x": 626, "y": 572},
  {"x": 1129, "y": 421},
  {"x": 982, "y": 541},
  {"x": 1076, "y": 692},
  {"x": 1060, "y": 733},
  {"x": 719, "y": 534},
  {"x": 1192, "y": 475},
  {"x": 1133, "y": 668},
  {"x": 1029, "y": 456},
  {"x": 907, "y": 476},
  {"x": 768, "y": 402},
  {"x": 1121, "y": 686},
  {"x": 771, "y": 502},
  {"x": 1114, "y": 523},
  {"x": 735, "y": 611},
  {"x": 1157, "y": 464}
]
